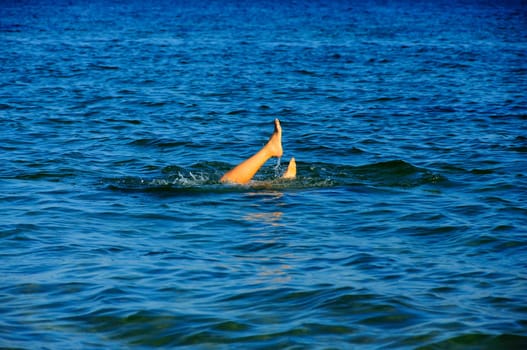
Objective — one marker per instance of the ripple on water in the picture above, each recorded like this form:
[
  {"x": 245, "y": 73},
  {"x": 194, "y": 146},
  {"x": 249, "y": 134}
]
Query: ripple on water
[{"x": 204, "y": 177}]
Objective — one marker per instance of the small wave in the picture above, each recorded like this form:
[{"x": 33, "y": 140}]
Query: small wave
[
  {"x": 204, "y": 177},
  {"x": 305, "y": 72},
  {"x": 126, "y": 121},
  {"x": 480, "y": 340},
  {"x": 103, "y": 67},
  {"x": 395, "y": 173},
  {"x": 385, "y": 99},
  {"x": 173, "y": 183},
  {"x": 153, "y": 103},
  {"x": 13, "y": 28},
  {"x": 47, "y": 175},
  {"x": 238, "y": 111},
  {"x": 150, "y": 142}
]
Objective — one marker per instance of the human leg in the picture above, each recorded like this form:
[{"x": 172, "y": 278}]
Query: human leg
[
  {"x": 290, "y": 173},
  {"x": 244, "y": 172}
]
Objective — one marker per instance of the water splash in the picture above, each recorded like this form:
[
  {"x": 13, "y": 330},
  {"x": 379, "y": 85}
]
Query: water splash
[
  {"x": 204, "y": 177},
  {"x": 184, "y": 180},
  {"x": 277, "y": 168}
]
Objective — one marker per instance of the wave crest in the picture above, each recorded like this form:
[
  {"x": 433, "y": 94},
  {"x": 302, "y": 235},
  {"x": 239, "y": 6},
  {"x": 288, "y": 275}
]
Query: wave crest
[{"x": 205, "y": 177}]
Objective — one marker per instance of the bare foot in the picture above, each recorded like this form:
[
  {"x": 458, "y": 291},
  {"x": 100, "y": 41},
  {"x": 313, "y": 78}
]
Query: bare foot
[
  {"x": 291, "y": 170},
  {"x": 274, "y": 145}
]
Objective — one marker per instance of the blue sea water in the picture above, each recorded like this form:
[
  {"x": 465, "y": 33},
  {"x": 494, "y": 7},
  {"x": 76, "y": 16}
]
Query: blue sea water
[{"x": 406, "y": 227}]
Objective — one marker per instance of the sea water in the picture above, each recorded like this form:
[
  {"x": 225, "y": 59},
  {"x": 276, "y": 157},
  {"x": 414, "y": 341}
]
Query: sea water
[{"x": 405, "y": 228}]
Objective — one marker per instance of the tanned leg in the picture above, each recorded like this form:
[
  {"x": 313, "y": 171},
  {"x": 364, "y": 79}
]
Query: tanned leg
[
  {"x": 291, "y": 170},
  {"x": 244, "y": 172}
]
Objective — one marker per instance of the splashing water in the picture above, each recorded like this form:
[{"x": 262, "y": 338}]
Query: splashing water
[{"x": 277, "y": 168}]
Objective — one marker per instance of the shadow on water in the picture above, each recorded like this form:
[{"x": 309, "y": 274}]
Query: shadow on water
[{"x": 204, "y": 178}]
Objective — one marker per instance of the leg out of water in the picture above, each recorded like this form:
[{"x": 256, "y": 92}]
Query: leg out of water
[
  {"x": 290, "y": 173},
  {"x": 245, "y": 171}
]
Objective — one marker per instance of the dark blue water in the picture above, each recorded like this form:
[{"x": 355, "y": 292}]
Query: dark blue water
[{"x": 406, "y": 227}]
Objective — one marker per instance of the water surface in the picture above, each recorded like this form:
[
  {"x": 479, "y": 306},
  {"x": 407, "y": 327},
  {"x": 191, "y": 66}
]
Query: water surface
[{"x": 406, "y": 226}]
